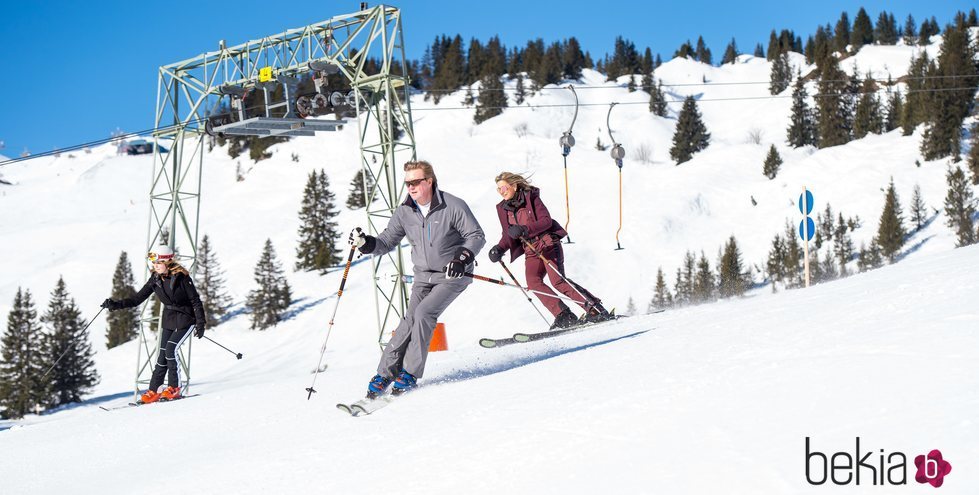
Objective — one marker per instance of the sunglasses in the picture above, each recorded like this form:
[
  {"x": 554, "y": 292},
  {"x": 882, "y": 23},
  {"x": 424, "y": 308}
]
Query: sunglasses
[{"x": 414, "y": 183}]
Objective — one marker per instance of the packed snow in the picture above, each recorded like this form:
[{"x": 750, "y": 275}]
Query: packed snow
[{"x": 694, "y": 400}]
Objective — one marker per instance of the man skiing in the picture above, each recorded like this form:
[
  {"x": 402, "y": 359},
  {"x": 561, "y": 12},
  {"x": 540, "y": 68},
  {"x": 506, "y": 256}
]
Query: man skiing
[{"x": 445, "y": 238}]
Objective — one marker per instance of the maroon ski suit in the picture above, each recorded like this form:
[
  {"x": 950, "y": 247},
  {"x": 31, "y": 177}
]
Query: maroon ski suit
[{"x": 544, "y": 235}]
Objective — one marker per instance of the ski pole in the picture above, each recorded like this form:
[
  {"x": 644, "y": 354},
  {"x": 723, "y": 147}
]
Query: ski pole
[
  {"x": 508, "y": 272},
  {"x": 527, "y": 289},
  {"x": 69, "y": 346},
  {"x": 238, "y": 354},
  {"x": 583, "y": 293},
  {"x": 343, "y": 281}
]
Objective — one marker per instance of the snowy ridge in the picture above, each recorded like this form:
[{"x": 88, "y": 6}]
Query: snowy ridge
[{"x": 733, "y": 387}]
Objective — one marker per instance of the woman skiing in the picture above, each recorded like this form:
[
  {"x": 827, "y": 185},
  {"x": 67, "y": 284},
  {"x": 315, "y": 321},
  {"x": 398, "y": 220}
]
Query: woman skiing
[
  {"x": 182, "y": 312},
  {"x": 528, "y": 229}
]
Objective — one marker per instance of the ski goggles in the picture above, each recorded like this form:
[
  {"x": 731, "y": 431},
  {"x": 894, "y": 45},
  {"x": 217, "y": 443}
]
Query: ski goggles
[{"x": 152, "y": 257}]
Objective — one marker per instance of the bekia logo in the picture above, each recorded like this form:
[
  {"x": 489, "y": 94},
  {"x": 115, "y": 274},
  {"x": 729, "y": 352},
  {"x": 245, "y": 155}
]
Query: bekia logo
[
  {"x": 932, "y": 469},
  {"x": 876, "y": 467}
]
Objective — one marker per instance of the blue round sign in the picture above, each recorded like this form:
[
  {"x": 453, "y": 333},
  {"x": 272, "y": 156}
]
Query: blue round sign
[
  {"x": 810, "y": 229},
  {"x": 808, "y": 203}
]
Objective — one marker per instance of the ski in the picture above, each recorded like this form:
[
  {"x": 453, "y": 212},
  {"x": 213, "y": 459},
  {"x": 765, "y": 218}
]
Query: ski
[
  {"x": 365, "y": 406},
  {"x": 530, "y": 337},
  {"x": 137, "y": 403},
  {"x": 494, "y": 343}
]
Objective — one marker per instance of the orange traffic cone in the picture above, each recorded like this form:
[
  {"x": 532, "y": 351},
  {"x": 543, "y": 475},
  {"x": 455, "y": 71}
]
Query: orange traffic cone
[{"x": 439, "y": 342}]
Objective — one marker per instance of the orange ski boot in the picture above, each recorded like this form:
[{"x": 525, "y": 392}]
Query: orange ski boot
[{"x": 171, "y": 393}]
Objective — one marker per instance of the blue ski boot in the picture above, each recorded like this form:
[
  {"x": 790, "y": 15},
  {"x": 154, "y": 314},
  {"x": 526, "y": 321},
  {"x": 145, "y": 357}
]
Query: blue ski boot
[
  {"x": 405, "y": 382},
  {"x": 377, "y": 386}
]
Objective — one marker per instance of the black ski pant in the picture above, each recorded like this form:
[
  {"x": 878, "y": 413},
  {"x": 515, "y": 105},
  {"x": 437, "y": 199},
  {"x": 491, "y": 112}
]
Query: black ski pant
[{"x": 168, "y": 359}]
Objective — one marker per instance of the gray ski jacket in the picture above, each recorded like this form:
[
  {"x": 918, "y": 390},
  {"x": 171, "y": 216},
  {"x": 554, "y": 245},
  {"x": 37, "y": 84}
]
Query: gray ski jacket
[{"x": 434, "y": 239}]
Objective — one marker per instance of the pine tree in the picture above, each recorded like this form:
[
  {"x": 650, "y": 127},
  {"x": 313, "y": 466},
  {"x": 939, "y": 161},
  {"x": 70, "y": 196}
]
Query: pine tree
[
  {"x": 630, "y": 308},
  {"x": 521, "y": 92},
  {"x": 573, "y": 60},
  {"x": 973, "y": 159},
  {"x": 827, "y": 266},
  {"x": 730, "y": 53},
  {"x": 210, "y": 284},
  {"x": 841, "y": 34},
  {"x": 802, "y": 129},
  {"x": 269, "y": 301},
  {"x": 662, "y": 299},
  {"x": 919, "y": 213},
  {"x": 890, "y": 231},
  {"x": 929, "y": 28},
  {"x": 685, "y": 51},
  {"x": 359, "y": 189},
  {"x": 449, "y": 73},
  {"x": 832, "y": 111},
  {"x": 895, "y": 107},
  {"x": 691, "y": 134},
  {"x": 657, "y": 101},
  {"x": 733, "y": 279},
  {"x": 492, "y": 99},
  {"x": 772, "y": 163},
  {"x": 759, "y": 51},
  {"x": 793, "y": 257},
  {"x": 863, "y": 30},
  {"x": 776, "y": 261},
  {"x": 885, "y": 32},
  {"x": 686, "y": 275},
  {"x": 909, "y": 33},
  {"x": 22, "y": 360},
  {"x": 704, "y": 285},
  {"x": 703, "y": 53},
  {"x": 318, "y": 234},
  {"x": 960, "y": 207},
  {"x": 916, "y": 106},
  {"x": 867, "y": 118},
  {"x": 547, "y": 70},
  {"x": 781, "y": 74},
  {"x": 824, "y": 227},
  {"x": 74, "y": 375},
  {"x": 871, "y": 257},
  {"x": 950, "y": 103},
  {"x": 842, "y": 244},
  {"x": 123, "y": 323}
]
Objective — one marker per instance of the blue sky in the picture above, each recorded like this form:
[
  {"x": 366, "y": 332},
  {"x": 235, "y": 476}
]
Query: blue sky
[{"x": 76, "y": 71}]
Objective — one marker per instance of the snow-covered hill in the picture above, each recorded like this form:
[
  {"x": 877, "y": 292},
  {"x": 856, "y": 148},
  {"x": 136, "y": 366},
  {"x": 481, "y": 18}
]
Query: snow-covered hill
[{"x": 731, "y": 389}]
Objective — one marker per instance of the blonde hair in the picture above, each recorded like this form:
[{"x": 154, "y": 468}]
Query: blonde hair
[
  {"x": 174, "y": 268},
  {"x": 425, "y": 167},
  {"x": 516, "y": 180}
]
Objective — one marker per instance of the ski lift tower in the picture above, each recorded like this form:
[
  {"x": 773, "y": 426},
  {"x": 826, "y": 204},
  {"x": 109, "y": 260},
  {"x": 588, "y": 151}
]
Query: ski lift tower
[{"x": 253, "y": 89}]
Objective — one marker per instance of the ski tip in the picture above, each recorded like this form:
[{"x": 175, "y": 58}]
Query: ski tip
[{"x": 488, "y": 343}]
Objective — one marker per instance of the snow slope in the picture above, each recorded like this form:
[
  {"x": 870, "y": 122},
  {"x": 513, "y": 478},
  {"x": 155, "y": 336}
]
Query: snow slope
[
  {"x": 732, "y": 388},
  {"x": 698, "y": 400}
]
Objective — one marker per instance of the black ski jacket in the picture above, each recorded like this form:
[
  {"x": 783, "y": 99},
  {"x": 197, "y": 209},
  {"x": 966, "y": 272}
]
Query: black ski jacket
[{"x": 181, "y": 304}]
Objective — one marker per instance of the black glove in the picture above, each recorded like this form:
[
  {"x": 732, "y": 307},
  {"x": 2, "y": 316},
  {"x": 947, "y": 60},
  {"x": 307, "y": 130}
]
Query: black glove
[
  {"x": 518, "y": 231},
  {"x": 111, "y": 305},
  {"x": 365, "y": 243},
  {"x": 199, "y": 328},
  {"x": 457, "y": 267},
  {"x": 495, "y": 254}
]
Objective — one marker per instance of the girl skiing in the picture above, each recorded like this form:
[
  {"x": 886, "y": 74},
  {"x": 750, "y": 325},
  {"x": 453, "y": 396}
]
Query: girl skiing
[
  {"x": 182, "y": 313},
  {"x": 528, "y": 229}
]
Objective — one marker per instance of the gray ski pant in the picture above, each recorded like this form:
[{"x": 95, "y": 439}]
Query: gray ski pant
[{"x": 408, "y": 348}]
